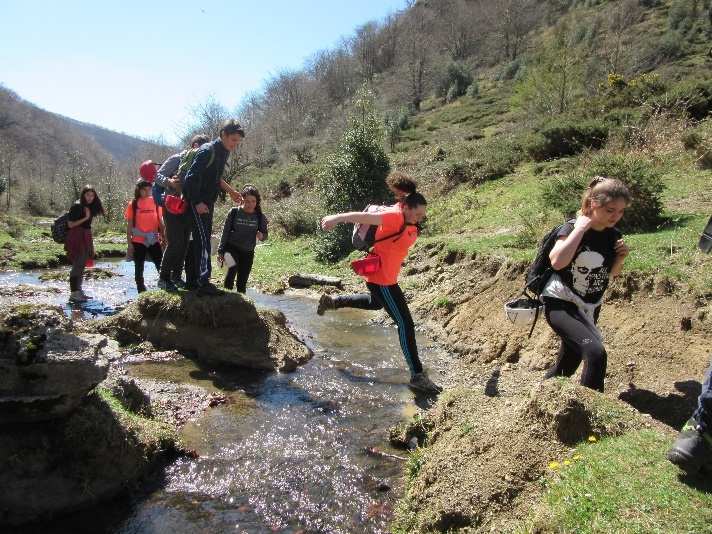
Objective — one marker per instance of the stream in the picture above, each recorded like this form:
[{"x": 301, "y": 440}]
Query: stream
[{"x": 290, "y": 454}]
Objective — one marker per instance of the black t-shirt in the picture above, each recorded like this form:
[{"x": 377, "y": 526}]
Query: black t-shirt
[
  {"x": 590, "y": 269},
  {"x": 76, "y": 213}
]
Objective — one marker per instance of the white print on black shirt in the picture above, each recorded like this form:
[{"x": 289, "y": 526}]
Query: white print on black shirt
[{"x": 589, "y": 274}]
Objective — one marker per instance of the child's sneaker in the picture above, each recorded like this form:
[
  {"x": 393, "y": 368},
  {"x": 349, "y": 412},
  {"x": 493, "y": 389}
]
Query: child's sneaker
[
  {"x": 692, "y": 448},
  {"x": 326, "y": 302},
  {"x": 77, "y": 297},
  {"x": 421, "y": 382},
  {"x": 167, "y": 285}
]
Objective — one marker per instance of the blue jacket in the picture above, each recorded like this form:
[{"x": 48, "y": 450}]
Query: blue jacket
[{"x": 202, "y": 182}]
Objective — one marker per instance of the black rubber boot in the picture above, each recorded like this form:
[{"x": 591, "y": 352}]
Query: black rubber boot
[
  {"x": 140, "y": 286},
  {"x": 692, "y": 449}
]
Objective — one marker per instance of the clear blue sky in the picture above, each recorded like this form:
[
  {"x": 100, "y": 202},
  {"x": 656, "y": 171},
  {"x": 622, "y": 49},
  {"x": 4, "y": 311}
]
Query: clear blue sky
[{"x": 133, "y": 66}]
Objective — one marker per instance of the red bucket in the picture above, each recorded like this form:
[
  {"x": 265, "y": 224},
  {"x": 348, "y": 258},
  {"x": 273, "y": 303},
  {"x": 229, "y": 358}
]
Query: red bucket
[
  {"x": 369, "y": 265},
  {"x": 175, "y": 205}
]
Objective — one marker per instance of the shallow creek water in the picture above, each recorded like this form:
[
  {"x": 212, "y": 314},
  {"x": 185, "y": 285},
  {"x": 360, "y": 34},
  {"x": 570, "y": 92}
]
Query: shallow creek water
[{"x": 288, "y": 453}]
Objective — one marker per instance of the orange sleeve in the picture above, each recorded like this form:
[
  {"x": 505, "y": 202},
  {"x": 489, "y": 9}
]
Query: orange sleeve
[
  {"x": 128, "y": 212},
  {"x": 391, "y": 221}
]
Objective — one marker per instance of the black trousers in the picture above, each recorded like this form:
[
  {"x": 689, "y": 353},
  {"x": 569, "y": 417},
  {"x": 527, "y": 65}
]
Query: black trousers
[
  {"x": 392, "y": 299},
  {"x": 241, "y": 270},
  {"x": 580, "y": 341},
  {"x": 703, "y": 414},
  {"x": 139, "y": 256},
  {"x": 177, "y": 235}
]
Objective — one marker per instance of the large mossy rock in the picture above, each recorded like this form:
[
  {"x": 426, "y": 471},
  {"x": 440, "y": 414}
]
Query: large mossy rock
[
  {"x": 221, "y": 330},
  {"x": 94, "y": 454},
  {"x": 46, "y": 369}
]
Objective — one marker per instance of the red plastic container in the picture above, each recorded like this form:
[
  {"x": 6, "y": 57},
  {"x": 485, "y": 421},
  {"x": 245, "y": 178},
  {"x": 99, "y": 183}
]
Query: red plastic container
[{"x": 369, "y": 265}]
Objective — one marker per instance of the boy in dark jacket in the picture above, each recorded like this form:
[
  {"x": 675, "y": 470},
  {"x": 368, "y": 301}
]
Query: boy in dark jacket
[{"x": 201, "y": 187}]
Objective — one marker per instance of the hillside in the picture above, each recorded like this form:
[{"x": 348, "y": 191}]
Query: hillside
[{"x": 46, "y": 155}]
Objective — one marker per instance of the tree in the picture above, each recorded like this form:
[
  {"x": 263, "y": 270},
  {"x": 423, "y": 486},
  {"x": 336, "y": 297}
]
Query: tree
[
  {"x": 512, "y": 21},
  {"x": 621, "y": 17},
  {"x": 354, "y": 175},
  {"x": 8, "y": 155},
  {"x": 554, "y": 79},
  {"x": 416, "y": 51}
]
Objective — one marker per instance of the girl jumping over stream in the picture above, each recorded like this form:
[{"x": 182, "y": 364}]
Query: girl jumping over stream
[{"x": 397, "y": 231}]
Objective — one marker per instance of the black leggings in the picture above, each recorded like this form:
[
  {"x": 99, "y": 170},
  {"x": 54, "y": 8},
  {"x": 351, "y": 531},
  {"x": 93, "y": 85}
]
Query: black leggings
[
  {"x": 579, "y": 341},
  {"x": 139, "y": 257},
  {"x": 392, "y": 299},
  {"x": 241, "y": 270}
]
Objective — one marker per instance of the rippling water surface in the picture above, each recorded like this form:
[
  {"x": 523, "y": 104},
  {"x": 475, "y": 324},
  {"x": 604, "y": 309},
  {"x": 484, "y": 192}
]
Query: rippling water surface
[{"x": 292, "y": 459}]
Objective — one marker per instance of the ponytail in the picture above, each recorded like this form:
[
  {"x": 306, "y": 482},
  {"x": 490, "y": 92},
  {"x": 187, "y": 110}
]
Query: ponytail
[
  {"x": 414, "y": 200},
  {"x": 602, "y": 190}
]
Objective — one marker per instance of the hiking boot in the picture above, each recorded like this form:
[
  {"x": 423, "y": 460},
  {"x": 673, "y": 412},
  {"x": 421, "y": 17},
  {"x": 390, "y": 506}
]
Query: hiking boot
[
  {"x": 209, "y": 290},
  {"x": 167, "y": 285},
  {"x": 692, "y": 449},
  {"x": 140, "y": 286},
  {"x": 179, "y": 283},
  {"x": 77, "y": 297},
  {"x": 421, "y": 382},
  {"x": 326, "y": 302}
]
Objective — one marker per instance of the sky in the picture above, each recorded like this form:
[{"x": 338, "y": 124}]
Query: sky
[{"x": 138, "y": 67}]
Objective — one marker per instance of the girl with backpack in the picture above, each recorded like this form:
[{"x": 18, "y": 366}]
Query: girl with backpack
[
  {"x": 144, "y": 230},
  {"x": 397, "y": 231},
  {"x": 244, "y": 226},
  {"x": 79, "y": 243},
  {"x": 586, "y": 255}
]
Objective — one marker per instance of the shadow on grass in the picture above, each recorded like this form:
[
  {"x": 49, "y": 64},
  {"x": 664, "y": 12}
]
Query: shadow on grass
[
  {"x": 673, "y": 409},
  {"x": 701, "y": 481}
]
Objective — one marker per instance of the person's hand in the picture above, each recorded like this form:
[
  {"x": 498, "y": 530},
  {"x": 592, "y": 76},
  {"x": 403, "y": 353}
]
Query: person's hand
[
  {"x": 328, "y": 222},
  {"x": 221, "y": 260},
  {"x": 87, "y": 213},
  {"x": 175, "y": 185},
  {"x": 235, "y": 196},
  {"x": 260, "y": 235},
  {"x": 621, "y": 249},
  {"x": 202, "y": 208},
  {"x": 583, "y": 222}
]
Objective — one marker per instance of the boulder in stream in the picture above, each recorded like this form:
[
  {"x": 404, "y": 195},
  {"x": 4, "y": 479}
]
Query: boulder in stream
[
  {"x": 46, "y": 369},
  {"x": 221, "y": 330}
]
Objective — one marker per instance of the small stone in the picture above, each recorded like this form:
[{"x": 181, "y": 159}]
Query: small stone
[{"x": 686, "y": 324}]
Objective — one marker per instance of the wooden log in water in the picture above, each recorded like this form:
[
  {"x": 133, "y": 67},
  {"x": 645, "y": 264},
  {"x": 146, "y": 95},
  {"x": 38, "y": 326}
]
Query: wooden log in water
[{"x": 308, "y": 280}]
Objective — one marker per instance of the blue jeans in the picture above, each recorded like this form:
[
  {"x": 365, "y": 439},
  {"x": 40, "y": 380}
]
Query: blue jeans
[
  {"x": 703, "y": 414},
  {"x": 202, "y": 229}
]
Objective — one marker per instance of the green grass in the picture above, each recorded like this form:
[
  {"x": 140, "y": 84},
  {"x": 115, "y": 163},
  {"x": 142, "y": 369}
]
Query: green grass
[
  {"x": 153, "y": 435},
  {"x": 278, "y": 258},
  {"x": 623, "y": 484}
]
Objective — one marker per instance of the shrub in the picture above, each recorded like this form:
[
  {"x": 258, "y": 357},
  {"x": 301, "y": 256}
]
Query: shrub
[
  {"x": 694, "y": 96},
  {"x": 354, "y": 175},
  {"x": 473, "y": 89},
  {"x": 567, "y": 137},
  {"x": 296, "y": 216},
  {"x": 691, "y": 140},
  {"x": 454, "y": 82},
  {"x": 511, "y": 70},
  {"x": 485, "y": 160},
  {"x": 563, "y": 193},
  {"x": 36, "y": 203}
]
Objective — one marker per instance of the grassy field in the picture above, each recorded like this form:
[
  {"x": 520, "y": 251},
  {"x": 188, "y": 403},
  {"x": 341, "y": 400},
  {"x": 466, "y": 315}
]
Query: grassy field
[{"x": 622, "y": 484}]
